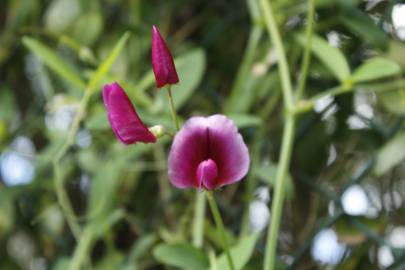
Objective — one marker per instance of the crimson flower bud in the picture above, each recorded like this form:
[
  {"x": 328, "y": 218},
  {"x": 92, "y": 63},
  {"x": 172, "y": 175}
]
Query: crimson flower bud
[{"x": 162, "y": 61}]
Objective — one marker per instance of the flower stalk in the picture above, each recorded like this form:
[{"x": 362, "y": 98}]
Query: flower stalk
[
  {"x": 220, "y": 226},
  {"x": 172, "y": 108},
  {"x": 307, "y": 52},
  {"x": 198, "y": 222},
  {"x": 288, "y": 137}
]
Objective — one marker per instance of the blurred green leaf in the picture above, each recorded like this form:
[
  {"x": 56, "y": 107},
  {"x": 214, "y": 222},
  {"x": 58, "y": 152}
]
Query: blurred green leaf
[
  {"x": 390, "y": 154},
  {"x": 330, "y": 56},
  {"x": 61, "y": 264},
  {"x": 396, "y": 52},
  {"x": 142, "y": 247},
  {"x": 6, "y": 211},
  {"x": 351, "y": 234},
  {"x": 393, "y": 101},
  {"x": 61, "y": 14},
  {"x": 190, "y": 68},
  {"x": 181, "y": 255},
  {"x": 98, "y": 121},
  {"x": 88, "y": 27},
  {"x": 113, "y": 260},
  {"x": 267, "y": 173},
  {"x": 18, "y": 12},
  {"x": 100, "y": 225},
  {"x": 243, "y": 89},
  {"x": 361, "y": 24},
  {"x": 103, "y": 188},
  {"x": 245, "y": 120},
  {"x": 374, "y": 69},
  {"x": 8, "y": 106},
  {"x": 105, "y": 66},
  {"x": 240, "y": 253},
  {"x": 54, "y": 61}
]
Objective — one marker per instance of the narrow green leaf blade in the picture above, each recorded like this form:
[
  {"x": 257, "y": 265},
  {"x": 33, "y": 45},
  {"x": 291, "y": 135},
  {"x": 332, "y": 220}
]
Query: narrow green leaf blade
[
  {"x": 53, "y": 61},
  {"x": 181, "y": 255},
  {"x": 393, "y": 101},
  {"x": 105, "y": 66},
  {"x": 330, "y": 56},
  {"x": 245, "y": 120},
  {"x": 361, "y": 24},
  {"x": 240, "y": 253},
  {"x": 390, "y": 154},
  {"x": 190, "y": 67},
  {"x": 267, "y": 173},
  {"x": 376, "y": 68}
]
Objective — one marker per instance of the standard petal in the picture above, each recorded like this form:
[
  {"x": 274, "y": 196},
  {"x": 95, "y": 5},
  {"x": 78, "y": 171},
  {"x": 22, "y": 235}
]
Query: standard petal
[
  {"x": 189, "y": 149},
  {"x": 124, "y": 120},
  {"x": 227, "y": 149}
]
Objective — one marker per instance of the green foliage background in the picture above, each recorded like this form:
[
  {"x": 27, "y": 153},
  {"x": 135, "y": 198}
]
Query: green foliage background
[{"x": 56, "y": 55}]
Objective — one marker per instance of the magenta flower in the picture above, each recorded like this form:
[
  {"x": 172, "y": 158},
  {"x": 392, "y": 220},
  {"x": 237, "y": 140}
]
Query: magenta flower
[
  {"x": 208, "y": 152},
  {"x": 124, "y": 120},
  {"x": 162, "y": 61}
]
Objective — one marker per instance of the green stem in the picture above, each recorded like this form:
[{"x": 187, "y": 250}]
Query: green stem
[
  {"x": 288, "y": 137},
  {"x": 198, "y": 224},
  {"x": 306, "y": 105},
  {"x": 220, "y": 226},
  {"x": 172, "y": 108},
  {"x": 278, "y": 45},
  {"x": 199, "y": 209},
  {"x": 307, "y": 52},
  {"x": 278, "y": 197},
  {"x": 62, "y": 197},
  {"x": 63, "y": 201},
  {"x": 82, "y": 250}
]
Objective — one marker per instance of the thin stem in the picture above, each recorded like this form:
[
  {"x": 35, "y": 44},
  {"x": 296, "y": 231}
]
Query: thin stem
[
  {"x": 307, "y": 51},
  {"x": 63, "y": 201},
  {"x": 288, "y": 137},
  {"x": 172, "y": 108},
  {"x": 198, "y": 223},
  {"x": 220, "y": 226},
  {"x": 82, "y": 250},
  {"x": 199, "y": 209},
  {"x": 278, "y": 45},
  {"x": 62, "y": 197},
  {"x": 277, "y": 205},
  {"x": 306, "y": 105}
]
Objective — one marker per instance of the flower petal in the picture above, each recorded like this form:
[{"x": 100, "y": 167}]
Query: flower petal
[
  {"x": 162, "y": 61},
  {"x": 124, "y": 120},
  {"x": 227, "y": 149},
  {"x": 188, "y": 149},
  {"x": 207, "y": 172},
  {"x": 201, "y": 139}
]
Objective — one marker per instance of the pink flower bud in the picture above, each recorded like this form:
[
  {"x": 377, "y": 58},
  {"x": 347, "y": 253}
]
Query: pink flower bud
[
  {"x": 208, "y": 153},
  {"x": 162, "y": 61},
  {"x": 124, "y": 120}
]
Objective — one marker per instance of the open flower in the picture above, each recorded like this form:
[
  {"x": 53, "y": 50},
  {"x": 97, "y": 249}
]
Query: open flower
[
  {"x": 162, "y": 61},
  {"x": 208, "y": 152},
  {"x": 124, "y": 120}
]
